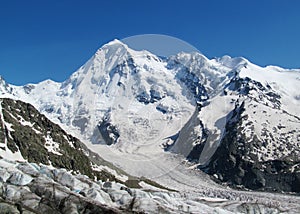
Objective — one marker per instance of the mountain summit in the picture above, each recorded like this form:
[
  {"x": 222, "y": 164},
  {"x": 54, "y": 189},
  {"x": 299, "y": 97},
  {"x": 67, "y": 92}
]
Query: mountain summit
[{"x": 235, "y": 120}]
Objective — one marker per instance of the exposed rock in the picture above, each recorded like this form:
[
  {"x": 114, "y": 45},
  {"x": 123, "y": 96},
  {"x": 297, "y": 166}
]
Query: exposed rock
[
  {"x": 237, "y": 160},
  {"x": 28, "y": 135}
]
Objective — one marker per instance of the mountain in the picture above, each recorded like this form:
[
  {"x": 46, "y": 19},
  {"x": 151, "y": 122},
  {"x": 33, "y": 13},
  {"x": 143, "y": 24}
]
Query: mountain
[
  {"x": 120, "y": 95},
  {"x": 45, "y": 170},
  {"x": 166, "y": 119},
  {"x": 249, "y": 133},
  {"x": 26, "y": 134},
  {"x": 260, "y": 145}
]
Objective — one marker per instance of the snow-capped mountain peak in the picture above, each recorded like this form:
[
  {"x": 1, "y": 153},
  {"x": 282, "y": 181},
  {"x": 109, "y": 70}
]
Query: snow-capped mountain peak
[
  {"x": 232, "y": 63},
  {"x": 4, "y": 87},
  {"x": 142, "y": 105},
  {"x": 110, "y": 90}
]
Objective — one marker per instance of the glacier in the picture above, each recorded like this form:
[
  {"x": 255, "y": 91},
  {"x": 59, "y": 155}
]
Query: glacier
[{"x": 148, "y": 115}]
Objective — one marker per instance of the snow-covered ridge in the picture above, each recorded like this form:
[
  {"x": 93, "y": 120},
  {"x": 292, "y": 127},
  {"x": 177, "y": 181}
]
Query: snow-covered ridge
[
  {"x": 118, "y": 79},
  {"x": 139, "y": 103},
  {"x": 36, "y": 186}
]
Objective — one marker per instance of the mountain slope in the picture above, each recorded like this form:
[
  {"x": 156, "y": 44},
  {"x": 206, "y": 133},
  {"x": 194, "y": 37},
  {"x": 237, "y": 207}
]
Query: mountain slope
[
  {"x": 28, "y": 135},
  {"x": 33, "y": 150},
  {"x": 142, "y": 105},
  {"x": 251, "y": 130},
  {"x": 260, "y": 146},
  {"x": 44, "y": 169}
]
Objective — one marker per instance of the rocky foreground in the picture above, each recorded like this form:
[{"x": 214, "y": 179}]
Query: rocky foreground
[{"x": 31, "y": 188}]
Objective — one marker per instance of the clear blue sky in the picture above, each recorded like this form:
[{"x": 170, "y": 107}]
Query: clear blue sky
[{"x": 41, "y": 39}]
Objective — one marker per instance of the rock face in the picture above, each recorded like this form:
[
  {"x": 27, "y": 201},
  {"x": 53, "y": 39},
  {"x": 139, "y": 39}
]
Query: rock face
[
  {"x": 27, "y": 134},
  {"x": 254, "y": 142},
  {"x": 233, "y": 119},
  {"x": 99, "y": 187},
  {"x": 261, "y": 159},
  {"x": 236, "y": 161},
  {"x": 50, "y": 171}
]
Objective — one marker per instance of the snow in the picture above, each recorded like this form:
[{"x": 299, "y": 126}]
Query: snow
[
  {"x": 5, "y": 152},
  {"x": 8, "y": 125},
  {"x": 280, "y": 142},
  {"x": 109, "y": 193},
  {"x": 286, "y": 82},
  {"x": 232, "y": 62},
  {"x": 24, "y": 122},
  {"x": 52, "y": 146},
  {"x": 108, "y": 86},
  {"x": 214, "y": 116},
  {"x": 123, "y": 178},
  {"x": 9, "y": 155},
  {"x": 19, "y": 179},
  {"x": 146, "y": 186},
  {"x": 67, "y": 179},
  {"x": 70, "y": 143},
  {"x": 12, "y": 175}
]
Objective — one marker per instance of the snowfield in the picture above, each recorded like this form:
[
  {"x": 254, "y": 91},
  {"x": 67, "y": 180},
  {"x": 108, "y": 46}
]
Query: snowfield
[{"x": 146, "y": 115}]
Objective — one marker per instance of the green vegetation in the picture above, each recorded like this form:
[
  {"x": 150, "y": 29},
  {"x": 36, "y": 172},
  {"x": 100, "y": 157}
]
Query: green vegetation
[{"x": 30, "y": 140}]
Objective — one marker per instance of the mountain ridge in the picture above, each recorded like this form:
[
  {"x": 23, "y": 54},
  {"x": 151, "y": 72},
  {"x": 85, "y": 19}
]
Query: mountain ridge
[{"x": 135, "y": 101}]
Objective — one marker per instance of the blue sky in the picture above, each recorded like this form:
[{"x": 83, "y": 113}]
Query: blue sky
[{"x": 52, "y": 38}]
